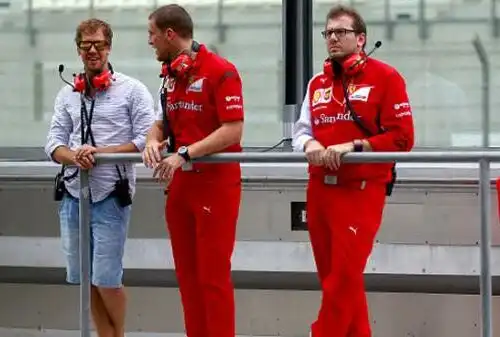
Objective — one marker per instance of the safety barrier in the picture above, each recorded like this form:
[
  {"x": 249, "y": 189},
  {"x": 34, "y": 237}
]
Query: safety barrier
[{"x": 483, "y": 157}]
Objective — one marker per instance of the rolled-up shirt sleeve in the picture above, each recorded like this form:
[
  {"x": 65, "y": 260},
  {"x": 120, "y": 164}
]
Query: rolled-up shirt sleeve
[
  {"x": 301, "y": 129},
  {"x": 61, "y": 126},
  {"x": 142, "y": 115}
]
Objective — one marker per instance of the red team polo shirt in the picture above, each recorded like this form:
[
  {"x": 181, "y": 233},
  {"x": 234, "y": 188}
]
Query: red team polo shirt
[
  {"x": 378, "y": 91},
  {"x": 201, "y": 102}
]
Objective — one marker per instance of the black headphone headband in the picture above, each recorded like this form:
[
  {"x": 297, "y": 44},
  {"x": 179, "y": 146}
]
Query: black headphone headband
[{"x": 195, "y": 46}]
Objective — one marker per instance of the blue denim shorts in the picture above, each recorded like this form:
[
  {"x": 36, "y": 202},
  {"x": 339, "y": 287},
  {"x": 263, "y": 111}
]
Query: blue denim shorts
[{"x": 108, "y": 233}]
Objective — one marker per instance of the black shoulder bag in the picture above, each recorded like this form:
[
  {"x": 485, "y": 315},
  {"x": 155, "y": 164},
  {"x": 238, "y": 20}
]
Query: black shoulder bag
[
  {"x": 167, "y": 130},
  {"x": 368, "y": 133}
]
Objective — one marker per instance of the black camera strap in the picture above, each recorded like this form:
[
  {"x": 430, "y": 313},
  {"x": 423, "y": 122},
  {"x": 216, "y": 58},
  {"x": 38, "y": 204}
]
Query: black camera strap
[
  {"x": 368, "y": 132},
  {"x": 84, "y": 134},
  {"x": 167, "y": 130},
  {"x": 88, "y": 134}
]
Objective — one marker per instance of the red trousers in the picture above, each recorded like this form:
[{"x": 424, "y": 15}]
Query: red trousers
[
  {"x": 343, "y": 221},
  {"x": 201, "y": 219}
]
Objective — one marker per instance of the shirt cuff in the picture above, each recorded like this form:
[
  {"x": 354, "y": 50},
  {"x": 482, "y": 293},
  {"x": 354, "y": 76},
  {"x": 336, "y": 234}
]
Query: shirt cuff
[
  {"x": 140, "y": 143},
  {"x": 159, "y": 115},
  {"x": 51, "y": 147},
  {"x": 300, "y": 142}
]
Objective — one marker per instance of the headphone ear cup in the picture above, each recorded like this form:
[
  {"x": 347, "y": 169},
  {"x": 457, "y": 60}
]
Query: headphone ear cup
[
  {"x": 354, "y": 64},
  {"x": 181, "y": 64},
  {"x": 164, "y": 70},
  {"x": 79, "y": 83},
  {"x": 328, "y": 68},
  {"x": 102, "y": 81}
]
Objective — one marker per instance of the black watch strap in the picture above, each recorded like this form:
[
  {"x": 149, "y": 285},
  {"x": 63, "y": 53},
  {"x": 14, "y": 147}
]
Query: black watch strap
[
  {"x": 184, "y": 154},
  {"x": 358, "y": 146}
]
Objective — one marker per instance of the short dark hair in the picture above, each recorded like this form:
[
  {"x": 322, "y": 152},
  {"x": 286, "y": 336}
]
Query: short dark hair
[
  {"x": 91, "y": 26},
  {"x": 358, "y": 23},
  {"x": 174, "y": 17}
]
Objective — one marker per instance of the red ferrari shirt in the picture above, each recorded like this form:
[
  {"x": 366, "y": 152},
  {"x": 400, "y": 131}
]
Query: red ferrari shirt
[
  {"x": 378, "y": 97},
  {"x": 199, "y": 103}
]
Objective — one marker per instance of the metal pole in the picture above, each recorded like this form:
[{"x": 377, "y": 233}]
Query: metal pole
[
  {"x": 297, "y": 88},
  {"x": 38, "y": 88},
  {"x": 31, "y": 25},
  {"x": 221, "y": 27},
  {"x": 307, "y": 47},
  {"x": 298, "y": 157},
  {"x": 293, "y": 64},
  {"x": 84, "y": 254},
  {"x": 485, "y": 205},
  {"x": 389, "y": 23},
  {"x": 423, "y": 30},
  {"x": 91, "y": 9},
  {"x": 494, "y": 19},
  {"x": 485, "y": 86}
]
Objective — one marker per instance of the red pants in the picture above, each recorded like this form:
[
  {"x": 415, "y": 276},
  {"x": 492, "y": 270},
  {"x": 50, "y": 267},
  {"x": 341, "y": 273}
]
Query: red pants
[
  {"x": 343, "y": 222},
  {"x": 201, "y": 219}
]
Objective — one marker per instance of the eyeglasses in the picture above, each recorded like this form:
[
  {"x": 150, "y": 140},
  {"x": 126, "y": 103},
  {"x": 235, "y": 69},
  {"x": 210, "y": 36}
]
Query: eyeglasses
[
  {"x": 338, "y": 32},
  {"x": 87, "y": 45}
]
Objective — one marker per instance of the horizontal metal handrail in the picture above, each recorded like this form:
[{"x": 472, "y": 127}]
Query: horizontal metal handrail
[
  {"x": 298, "y": 157},
  {"x": 483, "y": 157}
]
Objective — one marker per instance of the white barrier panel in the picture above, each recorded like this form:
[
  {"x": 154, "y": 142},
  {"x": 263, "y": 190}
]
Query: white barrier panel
[{"x": 483, "y": 157}]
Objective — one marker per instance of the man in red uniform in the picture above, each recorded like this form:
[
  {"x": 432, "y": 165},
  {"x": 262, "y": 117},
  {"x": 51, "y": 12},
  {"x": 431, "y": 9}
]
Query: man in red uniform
[
  {"x": 356, "y": 104},
  {"x": 202, "y": 115}
]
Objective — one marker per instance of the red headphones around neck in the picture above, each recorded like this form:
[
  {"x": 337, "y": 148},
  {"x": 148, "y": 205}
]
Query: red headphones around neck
[
  {"x": 351, "y": 66},
  {"x": 100, "y": 82},
  {"x": 180, "y": 65}
]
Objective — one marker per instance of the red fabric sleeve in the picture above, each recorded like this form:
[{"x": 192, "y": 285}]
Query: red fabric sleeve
[
  {"x": 395, "y": 118},
  {"x": 229, "y": 97}
]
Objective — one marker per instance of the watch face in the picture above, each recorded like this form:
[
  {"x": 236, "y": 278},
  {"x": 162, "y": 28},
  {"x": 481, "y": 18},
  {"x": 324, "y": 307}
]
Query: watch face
[{"x": 182, "y": 149}]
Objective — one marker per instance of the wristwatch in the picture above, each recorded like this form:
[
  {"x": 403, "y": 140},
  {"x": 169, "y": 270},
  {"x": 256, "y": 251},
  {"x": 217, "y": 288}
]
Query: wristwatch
[
  {"x": 183, "y": 152},
  {"x": 358, "y": 145}
]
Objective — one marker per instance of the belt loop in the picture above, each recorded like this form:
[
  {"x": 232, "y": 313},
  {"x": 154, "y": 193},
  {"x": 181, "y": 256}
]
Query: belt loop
[{"x": 330, "y": 180}]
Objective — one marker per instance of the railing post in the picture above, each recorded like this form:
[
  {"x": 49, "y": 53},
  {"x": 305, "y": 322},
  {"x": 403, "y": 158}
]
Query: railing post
[
  {"x": 485, "y": 206},
  {"x": 485, "y": 87},
  {"x": 84, "y": 212},
  {"x": 297, "y": 57}
]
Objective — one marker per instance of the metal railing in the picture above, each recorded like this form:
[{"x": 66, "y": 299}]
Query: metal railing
[{"x": 483, "y": 157}]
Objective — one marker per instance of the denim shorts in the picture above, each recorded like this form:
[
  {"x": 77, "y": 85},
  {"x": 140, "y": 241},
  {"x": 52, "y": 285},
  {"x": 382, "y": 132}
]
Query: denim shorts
[{"x": 108, "y": 233}]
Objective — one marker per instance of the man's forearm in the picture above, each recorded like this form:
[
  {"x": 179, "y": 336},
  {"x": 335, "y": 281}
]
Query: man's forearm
[
  {"x": 156, "y": 132},
  {"x": 367, "y": 147},
  {"x": 217, "y": 141},
  {"x": 63, "y": 155},
  {"x": 124, "y": 148}
]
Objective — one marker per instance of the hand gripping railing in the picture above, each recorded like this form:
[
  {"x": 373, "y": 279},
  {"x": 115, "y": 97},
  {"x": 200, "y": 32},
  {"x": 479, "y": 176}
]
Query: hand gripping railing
[{"x": 483, "y": 157}]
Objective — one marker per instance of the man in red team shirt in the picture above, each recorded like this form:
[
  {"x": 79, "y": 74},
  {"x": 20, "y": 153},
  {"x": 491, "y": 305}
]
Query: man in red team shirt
[
  {"x": 203, "y": 114},
  {"x": 345, "y": 202}
]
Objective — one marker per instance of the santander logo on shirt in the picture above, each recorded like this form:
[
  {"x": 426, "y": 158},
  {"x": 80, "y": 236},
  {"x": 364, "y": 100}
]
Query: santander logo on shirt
[
  {"x": 192, "y": 106},
  {"x": 330, "y": 119}
]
